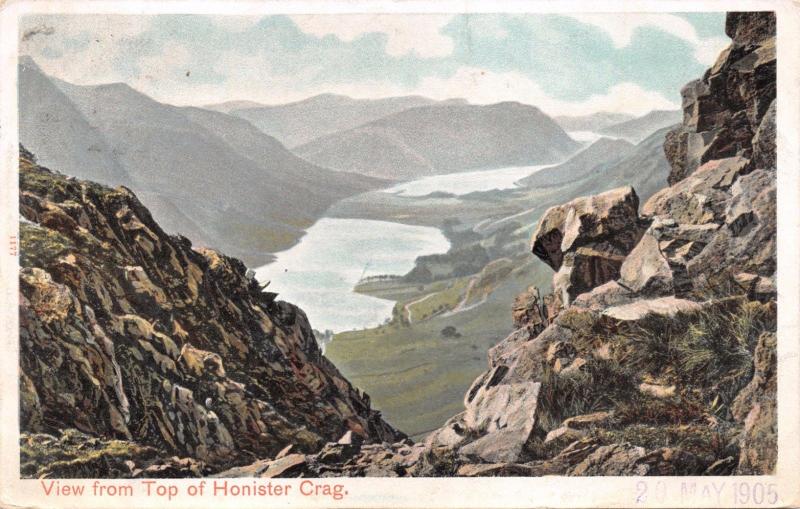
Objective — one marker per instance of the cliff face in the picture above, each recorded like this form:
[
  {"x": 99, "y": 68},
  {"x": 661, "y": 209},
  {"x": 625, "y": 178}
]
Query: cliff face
[
  {"x": 127, "y": 333},
  {"x": 655, "y": 355}
]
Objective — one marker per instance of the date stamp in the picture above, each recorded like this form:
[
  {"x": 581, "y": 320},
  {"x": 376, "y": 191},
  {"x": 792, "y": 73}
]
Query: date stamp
[
  {"x": 13, "y": 245},
  {"x": 724, "y": 493}
]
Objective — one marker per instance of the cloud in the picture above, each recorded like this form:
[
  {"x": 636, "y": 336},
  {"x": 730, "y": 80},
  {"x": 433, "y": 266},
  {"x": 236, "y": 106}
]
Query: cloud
[
  {"x": 174, "y": 59},
  {"x": 406, "y": 33},
  {"x": 476, "y": 85},
  {"x": 481, "y": 86},
  {"x": 235, "y": 24},
  {"x": 620, "y": 27},
  {"x": 81, "y": 49},
  {"x": 282, "y": 59}
]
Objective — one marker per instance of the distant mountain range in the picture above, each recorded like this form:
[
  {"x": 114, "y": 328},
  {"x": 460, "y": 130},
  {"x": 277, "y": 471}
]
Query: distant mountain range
[
  {"x": 637, "y": 129},
  {"x": 219, "y": 176},
  {"x": 300, "y": 122},
  {"x": 210, "y": 176},
  {"x": 593, "y": 122},
  {"x": 595, "y": 158},
  {"x": 610, "y": 163},
  {"x": 229, "y": 106},
  {"x": 444, "y": 138}
]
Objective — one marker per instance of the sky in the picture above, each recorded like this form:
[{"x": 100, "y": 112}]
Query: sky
[{"x": 564, "y": 64}]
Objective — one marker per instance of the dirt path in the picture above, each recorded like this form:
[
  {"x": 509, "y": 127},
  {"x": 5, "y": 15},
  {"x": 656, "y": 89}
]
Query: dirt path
[{"x": 407, "y": 309}]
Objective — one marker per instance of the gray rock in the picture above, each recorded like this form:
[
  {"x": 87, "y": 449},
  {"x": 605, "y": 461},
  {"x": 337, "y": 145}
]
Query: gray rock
[
  {"x": 504, "y": 415},
  {"x": 665, "y": 306},
  {"x": 615, "y": 459},
  {"x": 587, "y": 239},
  {"x": 646, "y": 270},
  {"x": 764, "y": 148}
]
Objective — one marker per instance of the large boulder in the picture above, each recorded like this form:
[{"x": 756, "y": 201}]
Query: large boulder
[
  {"x": 587, "y": 239},
  {"x": 502, "y": 415}
]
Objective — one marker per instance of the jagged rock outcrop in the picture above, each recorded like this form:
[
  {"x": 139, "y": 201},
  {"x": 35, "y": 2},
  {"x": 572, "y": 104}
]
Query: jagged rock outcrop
[
  {"x": 723, "y": 111},
  {"x": 128, "y": 333},
  {"x": 587, "y": 239}
]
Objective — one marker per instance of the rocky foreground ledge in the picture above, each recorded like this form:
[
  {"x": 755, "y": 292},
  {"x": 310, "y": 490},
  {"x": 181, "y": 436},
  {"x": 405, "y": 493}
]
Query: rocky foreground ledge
[
  {"x": 654, "y": 355},
  {"x": 137, "y": 347}
]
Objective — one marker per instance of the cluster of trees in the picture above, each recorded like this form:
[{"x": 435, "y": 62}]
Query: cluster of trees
[{"x": 455, "y": 263}]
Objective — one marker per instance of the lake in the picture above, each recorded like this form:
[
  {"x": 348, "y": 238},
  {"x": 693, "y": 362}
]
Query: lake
[
  {"x": 466, "y": 182},
  {"x": 319, "y": 273}
]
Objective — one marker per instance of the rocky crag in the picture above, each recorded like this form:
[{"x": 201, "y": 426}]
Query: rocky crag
[
  {"x": 654, "y": 355},
  {"x": 138, "y": 347}
]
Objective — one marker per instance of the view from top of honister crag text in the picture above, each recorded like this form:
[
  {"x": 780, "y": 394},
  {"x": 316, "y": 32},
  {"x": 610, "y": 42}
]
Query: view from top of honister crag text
[{"x": 397, "y": 245}]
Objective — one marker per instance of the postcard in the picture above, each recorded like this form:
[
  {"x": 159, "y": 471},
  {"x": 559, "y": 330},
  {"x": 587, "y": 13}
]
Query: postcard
[{"x": 399, "y": 254}]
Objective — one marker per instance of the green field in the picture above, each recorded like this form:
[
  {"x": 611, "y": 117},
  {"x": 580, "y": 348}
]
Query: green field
[{"x": 415, "y": 375}]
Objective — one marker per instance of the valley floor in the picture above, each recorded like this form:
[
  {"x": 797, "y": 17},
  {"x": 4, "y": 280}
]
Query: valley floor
[{"x": 415, "y": 372}]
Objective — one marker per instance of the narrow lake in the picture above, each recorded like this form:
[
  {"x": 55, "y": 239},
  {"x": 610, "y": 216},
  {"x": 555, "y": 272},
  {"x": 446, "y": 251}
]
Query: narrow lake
[
  {"x": 466, "y": 182},
  {"x": 319, "y": 273}
]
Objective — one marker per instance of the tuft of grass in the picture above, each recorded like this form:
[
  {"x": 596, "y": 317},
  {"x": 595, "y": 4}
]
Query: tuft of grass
[
  {"x": 76, "y": 455},
  {"x": 599, "y": 385},
  {"x": 657, "y": 411},
  {"x": 711, "y": 350},
  {"x": 700, "y": 440},
  {"x": 708, "y": 355}
]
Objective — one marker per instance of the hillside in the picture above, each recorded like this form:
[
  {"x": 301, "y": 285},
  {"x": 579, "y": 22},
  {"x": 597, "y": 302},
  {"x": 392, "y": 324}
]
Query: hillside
[
  {"x": 54, "y": 129},
  {"x": 430, "y": 140},
  {"x": 245, "y": 192},
  {"x": 155, "y": 348},
  {"x": 637, "y": 129},
  {"x": 602, "y": 153},
  {"x": 300, "y": 122},
  {"x": 608, "y": 164}
]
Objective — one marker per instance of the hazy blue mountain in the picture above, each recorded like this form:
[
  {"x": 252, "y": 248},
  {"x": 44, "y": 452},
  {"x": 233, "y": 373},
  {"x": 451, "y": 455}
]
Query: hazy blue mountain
[
  {"x": 607, "y": 164},
  {"x": 51, "y": 127},
  {"x": 429, "y": 140},
  {"x": 596, "y": 158},
  {"x": 300, "y": 122},
  {"x": 639, "y": 128},
  {"x": 213, "y": 177},
  {"x": 592, "y": 122},
  {"x": 228, "y": 106},
  {"x": 645, "y": 167}
]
